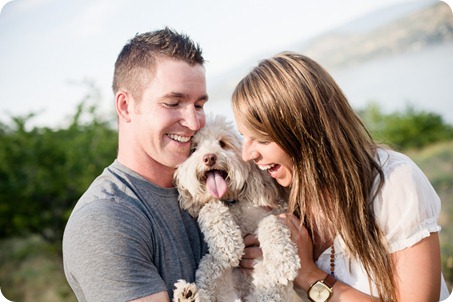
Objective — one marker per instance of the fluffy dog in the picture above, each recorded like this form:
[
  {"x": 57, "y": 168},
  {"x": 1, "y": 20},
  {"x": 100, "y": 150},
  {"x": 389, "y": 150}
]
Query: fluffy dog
[{"x": 232, "y": 198}]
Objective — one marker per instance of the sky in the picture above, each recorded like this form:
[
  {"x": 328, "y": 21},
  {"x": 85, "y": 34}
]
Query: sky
[{"x": 50, "y": 49}]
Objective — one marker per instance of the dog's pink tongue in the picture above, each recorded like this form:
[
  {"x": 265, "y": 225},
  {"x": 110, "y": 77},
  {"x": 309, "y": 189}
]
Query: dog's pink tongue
[{"x": 215, "y": 184}]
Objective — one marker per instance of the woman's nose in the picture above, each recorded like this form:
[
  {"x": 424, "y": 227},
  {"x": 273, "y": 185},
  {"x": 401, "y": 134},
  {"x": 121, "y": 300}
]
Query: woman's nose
[{"x": 248, "y": 153}]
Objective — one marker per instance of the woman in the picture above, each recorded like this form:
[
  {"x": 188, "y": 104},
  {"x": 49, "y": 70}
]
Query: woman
[{"x": 365, "y": 216}]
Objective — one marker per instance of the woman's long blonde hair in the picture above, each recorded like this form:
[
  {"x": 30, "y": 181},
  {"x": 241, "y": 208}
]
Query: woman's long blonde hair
[{"x": 293, "y": 101}]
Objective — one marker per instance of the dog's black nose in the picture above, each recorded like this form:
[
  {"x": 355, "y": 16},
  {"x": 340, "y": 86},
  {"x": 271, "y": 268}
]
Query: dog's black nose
[{"x": 209, "y": 159}]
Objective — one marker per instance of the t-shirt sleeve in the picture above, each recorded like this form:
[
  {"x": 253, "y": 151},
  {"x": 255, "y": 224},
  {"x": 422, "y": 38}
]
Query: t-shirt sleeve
[
  {"x": 108, "y": 254},
  {"x": 407, "y": 208}
]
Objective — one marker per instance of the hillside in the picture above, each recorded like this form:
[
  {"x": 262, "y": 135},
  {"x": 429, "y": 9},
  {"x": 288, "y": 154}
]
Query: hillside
[{"x": 415, "y": 31}]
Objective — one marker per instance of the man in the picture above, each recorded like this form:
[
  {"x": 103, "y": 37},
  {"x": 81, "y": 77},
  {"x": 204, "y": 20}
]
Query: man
[{"x": 127, "y": 239}]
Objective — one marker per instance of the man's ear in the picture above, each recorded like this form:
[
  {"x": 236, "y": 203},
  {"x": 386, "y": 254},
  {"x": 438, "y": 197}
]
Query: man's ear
[{"x": 123, "y": 104}]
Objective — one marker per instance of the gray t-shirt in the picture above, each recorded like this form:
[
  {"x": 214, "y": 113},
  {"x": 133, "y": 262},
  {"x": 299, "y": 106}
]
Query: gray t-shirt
[{"x": 127, "y": 238}]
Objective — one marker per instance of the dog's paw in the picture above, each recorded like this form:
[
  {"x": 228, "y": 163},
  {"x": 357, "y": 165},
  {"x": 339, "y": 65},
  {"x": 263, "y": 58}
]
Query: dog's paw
[{"x": 185, "y": 292}]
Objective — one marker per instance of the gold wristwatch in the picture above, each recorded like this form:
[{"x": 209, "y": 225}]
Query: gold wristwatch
[{"x": 321, "y": 290}]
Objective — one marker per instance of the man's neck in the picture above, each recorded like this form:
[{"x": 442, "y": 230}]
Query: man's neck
[{"x": 152, "y": 171}]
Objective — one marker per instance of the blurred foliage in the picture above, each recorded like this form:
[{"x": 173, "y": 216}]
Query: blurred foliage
[
  {"x": 43, "y": 172},
  {"x": 410, "y": 128},
  {"x": 436, "y": 161},
  {"x": 428, "y": 140},
  {"x": 31, "y": 270}
]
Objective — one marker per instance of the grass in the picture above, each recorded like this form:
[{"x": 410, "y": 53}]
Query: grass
[{"x": 31, "y": 270}]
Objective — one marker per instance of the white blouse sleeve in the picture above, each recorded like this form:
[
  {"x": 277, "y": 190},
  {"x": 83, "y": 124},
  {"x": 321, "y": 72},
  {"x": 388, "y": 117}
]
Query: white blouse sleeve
[{"x": 407, "y": 208}]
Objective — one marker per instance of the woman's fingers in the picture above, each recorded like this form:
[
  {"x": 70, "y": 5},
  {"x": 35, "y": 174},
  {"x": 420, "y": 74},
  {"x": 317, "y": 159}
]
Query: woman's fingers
[
  {"x": 251, "y": 240},
  {"x": 252, "y": 251}
]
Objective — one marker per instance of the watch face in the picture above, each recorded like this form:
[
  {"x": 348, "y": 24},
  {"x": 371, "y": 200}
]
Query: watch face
[{"x": 319, "y": 292}]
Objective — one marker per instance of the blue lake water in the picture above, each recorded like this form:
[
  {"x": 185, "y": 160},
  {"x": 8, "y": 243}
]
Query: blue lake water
[{"x": 423, "y": 79}]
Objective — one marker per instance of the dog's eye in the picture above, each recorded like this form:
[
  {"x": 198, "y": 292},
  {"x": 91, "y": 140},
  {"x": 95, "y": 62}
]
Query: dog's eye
[
  {"x": 222, "y": 144},
  {"x": 193, "y": 149}
]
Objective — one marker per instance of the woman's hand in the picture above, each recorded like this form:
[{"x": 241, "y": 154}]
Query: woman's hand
[{"x": 252, "y": 251}]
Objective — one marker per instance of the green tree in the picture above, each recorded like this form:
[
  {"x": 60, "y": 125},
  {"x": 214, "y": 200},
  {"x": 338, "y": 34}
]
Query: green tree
[{"x": 43, "y": 172}]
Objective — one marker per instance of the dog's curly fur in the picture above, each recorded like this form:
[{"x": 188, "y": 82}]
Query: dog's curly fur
[{"x": 251, "y": 198}]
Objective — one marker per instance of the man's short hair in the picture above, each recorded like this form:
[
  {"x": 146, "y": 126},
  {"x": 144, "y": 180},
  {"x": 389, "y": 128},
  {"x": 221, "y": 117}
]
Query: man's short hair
[{"x": 137, "y": 60}]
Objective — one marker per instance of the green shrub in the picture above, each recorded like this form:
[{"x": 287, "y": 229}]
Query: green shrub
[
  {"x": 408, "y": 129},
  {"x": 43, "y": 172}
]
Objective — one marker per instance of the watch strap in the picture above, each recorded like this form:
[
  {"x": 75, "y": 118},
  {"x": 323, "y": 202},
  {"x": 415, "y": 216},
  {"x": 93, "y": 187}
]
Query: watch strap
[{"x": 329, "y": 280}]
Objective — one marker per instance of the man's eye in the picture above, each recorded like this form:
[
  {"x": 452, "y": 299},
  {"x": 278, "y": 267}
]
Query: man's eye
[
  {"x": 200, "y": 105},
  {"x": 171, "y": 105}
]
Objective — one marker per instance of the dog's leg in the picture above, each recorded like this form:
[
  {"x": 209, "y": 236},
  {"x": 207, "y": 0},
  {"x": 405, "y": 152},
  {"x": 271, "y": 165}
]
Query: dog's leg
[
  {"x": 226, "y": 247},
  {"x": 222, "y": 234},
  {"x": 273, "y": 276},
  {"x": 208, "y": 277},
  {"x": 226, "y": 287},
  {"x": 213, "y": 283}
]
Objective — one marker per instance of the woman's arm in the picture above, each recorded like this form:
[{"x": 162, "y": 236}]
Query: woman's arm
[
  {"x": 417, "y": 269},
  {"x": 309, "y": 273}
]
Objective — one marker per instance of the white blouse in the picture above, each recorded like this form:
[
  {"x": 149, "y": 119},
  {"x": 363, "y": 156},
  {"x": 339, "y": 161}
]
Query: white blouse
[{"x": 407, "y": 210}]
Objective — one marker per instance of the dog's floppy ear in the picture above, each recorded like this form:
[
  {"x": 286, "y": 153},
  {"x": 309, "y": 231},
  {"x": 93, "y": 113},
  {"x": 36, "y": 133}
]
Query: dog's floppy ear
[
  {"x": 186, "y": 203},
  {"x": 260, "y": 189},
  {"x": 186, "y": 200}
]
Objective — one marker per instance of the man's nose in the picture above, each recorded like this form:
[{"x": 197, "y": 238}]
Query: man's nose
[{"x": 192, "y": 119}]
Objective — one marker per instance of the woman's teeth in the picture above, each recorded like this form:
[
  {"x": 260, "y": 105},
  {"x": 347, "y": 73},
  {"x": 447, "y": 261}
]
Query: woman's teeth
[
  {"x": 178, "y": 138},
  {"x": 266, "y": 167}
]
